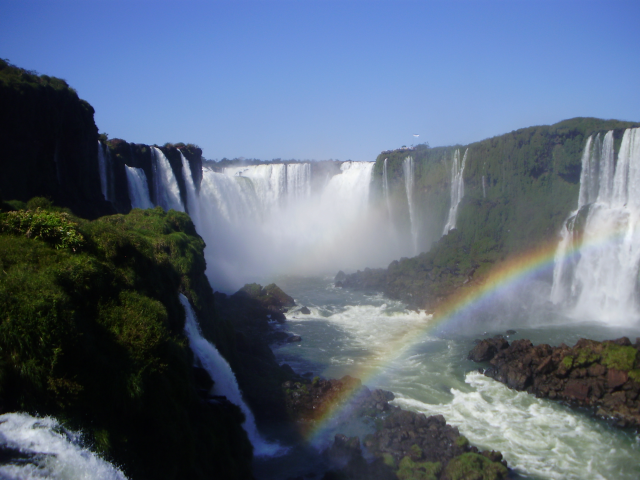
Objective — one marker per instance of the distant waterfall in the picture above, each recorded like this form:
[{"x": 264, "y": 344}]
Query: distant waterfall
[
  {"x": 409, "y": 184},
  {"x": 43, "y": 448},
  {"x": 602, "y": 281},
  {"x": 385, "y": 187},
  {"x": 105, "y": 170},
  {"x": 457, "y": 189},
  {"x": 264, "y": 219},
  {"x": 484, "y": 191},
  {"x": 167, "y": 192},
  {"x": 138, "y": 188},
  {"x": 225, "y": 380}
]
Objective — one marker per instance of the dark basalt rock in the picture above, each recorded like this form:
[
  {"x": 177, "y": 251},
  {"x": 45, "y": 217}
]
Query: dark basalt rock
[
  {"x": 294, "y": 338},
  {"x": 305, "y": 311},
  {"x": 601, "y": 376},
  {"x": 485, "y": 350}
]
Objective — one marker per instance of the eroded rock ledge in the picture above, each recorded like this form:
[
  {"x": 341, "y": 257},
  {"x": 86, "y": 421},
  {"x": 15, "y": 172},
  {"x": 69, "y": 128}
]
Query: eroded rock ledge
[{"x": 601, "y": 376}]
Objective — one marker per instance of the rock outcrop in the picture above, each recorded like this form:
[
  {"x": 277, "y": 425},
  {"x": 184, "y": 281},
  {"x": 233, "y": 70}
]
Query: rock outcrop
[{"x": 601, "y": 376}]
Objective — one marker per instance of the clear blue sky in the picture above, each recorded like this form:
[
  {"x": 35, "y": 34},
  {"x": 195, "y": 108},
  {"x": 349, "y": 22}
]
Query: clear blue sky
[{"x": 326, "y": 79}]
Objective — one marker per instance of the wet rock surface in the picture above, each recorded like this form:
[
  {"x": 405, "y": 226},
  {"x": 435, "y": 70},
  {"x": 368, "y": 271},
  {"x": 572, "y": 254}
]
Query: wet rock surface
[{"x": 601, "y": 376}]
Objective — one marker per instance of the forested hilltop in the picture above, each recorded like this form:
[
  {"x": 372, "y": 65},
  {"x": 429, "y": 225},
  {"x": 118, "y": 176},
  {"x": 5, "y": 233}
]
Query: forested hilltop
[{"x": 518, "y": 189}]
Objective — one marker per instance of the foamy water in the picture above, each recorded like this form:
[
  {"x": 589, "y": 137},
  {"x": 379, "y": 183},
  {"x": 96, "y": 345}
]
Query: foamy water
[
  {"x": 42, "y": 448},
  {"x": 536, "y": 436},
  {"x": 396, "y": 349}
]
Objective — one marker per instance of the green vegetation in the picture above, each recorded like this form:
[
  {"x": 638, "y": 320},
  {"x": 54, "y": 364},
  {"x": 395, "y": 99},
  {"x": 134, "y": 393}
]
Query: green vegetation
[
  {"x": 567, "y": 361},
  {"x": 52, "y": 227},
  {"x": 619, "y": 357},
  {"x": 91, "y": 331},
  {"x": 462, "y": 441},
  {"x": 473, "y": 466},
  {"x": 412, "y": 470}
]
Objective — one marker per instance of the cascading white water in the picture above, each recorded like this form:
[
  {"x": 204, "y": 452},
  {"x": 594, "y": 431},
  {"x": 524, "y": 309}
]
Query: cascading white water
[
  {"x": 484, "y": 192},
  {"x": 457, "y": 189},
  {"x": 263, "y": 220},
  {"x": 385, "y": 187},
  {"x": 298, "y": 181},
  {"x": 602, "y": 283},
  {"x": 225, "y": 380},
  {"x": 167, "y": 192},
  {"x": 43, "y": 448},
  {"x": 193, "y": 204},
  {"x": 269, "y": 182},
  {"x": 409, "y": 184},
  {"x": 138, "y": 188}
]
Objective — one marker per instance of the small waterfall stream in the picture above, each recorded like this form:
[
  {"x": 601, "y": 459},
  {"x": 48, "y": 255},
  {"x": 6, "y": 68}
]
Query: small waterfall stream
[
  {"x": 167, "y": 191},
  {"x": 138, "y": 188},
  {"x": 225, "y": 380},
  {"x": 457, "y": 189},
  {"x": 409, "y": 184}
]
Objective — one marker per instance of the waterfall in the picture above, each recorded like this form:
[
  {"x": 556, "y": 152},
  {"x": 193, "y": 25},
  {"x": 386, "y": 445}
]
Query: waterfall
[
  {"x": 193, "y": 204},
  {"x": 484, "y": 192},
  {"x": 105, "y": 170},
  {"x": 409, "y": 184},
  {"x": 43, "y": 448},
  {"x": 457, "y": 189},
  {"x": 225, "y": 381},
  {"x": 269, "y": 182},
  {"x": 261, "y": 220},
  {"x": 385, "y": 187},
  {"x": 138, "y": 188},
  {"x": 167, "y": 192},
  {"x": 298, "y": 181},
  {"x": 602, "y": 282}
]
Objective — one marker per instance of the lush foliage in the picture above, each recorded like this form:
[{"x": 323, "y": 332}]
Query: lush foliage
[
  {"x": 52, "y": 227},
  {"x": 95, "y": 338}
]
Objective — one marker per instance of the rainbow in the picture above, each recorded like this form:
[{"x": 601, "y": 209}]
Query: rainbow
[{"x": 505, "y": 275}]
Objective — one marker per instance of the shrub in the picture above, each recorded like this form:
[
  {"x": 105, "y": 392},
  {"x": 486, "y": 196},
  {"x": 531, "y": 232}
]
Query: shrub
[{"x": 54, "y": 228}]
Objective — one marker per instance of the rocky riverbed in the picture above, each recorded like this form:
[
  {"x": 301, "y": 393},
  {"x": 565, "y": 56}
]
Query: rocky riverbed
[
  {"x": 601, "y": 376},
  {"x": 405, "y": 445}
]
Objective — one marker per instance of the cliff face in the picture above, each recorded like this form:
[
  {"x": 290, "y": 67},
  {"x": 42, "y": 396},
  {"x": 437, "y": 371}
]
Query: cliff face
[
  {"x": 518, "y": 189},
  {"x": 49, "y": 143}
]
